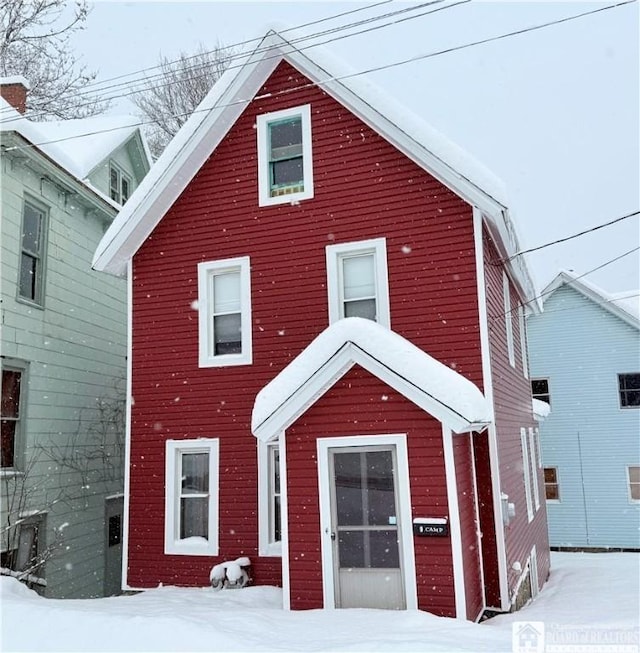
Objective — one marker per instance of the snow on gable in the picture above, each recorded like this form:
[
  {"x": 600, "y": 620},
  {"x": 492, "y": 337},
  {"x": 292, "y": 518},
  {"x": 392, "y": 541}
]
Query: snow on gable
[{"x": 430, "y": 384}]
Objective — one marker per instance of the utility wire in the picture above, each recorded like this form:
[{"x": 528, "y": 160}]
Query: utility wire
[
  {"x": 563, "y": 240},
  {"x": 320, "y": 83},
  {"x": 241, "y": 56}
]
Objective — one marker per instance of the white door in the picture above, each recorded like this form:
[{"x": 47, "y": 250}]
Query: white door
[{"x": 365, "y": 527}]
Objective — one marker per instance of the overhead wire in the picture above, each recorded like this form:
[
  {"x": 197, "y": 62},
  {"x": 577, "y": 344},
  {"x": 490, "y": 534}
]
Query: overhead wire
[{"x": 362, "y": 72}]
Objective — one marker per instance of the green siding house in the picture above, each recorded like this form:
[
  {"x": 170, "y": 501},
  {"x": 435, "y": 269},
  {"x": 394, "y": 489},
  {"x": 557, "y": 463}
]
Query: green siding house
[{"x": 63, "y": 347}]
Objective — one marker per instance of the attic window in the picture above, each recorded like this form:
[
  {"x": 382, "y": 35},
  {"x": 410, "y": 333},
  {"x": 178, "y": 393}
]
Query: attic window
[
  {"x": 285, "y": 171},
  {"x": 119, "y": 184}
]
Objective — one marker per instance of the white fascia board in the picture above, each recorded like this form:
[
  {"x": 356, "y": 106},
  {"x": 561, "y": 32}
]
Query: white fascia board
[
  {"x": 180, "y": 162},
  {"x": 335, "y": 368}
]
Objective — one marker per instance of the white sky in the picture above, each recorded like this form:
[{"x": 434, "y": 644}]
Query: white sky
[{"x": 554, "y": 112}]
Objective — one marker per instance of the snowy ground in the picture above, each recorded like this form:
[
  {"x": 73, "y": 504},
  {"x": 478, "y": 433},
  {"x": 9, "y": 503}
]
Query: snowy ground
[{"x": 593, "y": 595}]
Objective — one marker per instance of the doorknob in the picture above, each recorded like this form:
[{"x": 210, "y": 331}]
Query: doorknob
[{"x": 333, "y": 536}]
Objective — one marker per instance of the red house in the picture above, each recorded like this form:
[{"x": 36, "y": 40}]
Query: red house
[{"x": 327, "y": 366}]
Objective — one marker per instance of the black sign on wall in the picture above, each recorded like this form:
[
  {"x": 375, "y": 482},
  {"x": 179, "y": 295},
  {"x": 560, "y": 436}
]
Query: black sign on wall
[{"x": 433, "y": 529}]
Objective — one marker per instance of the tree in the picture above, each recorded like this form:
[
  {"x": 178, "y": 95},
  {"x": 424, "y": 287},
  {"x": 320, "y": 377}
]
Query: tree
[
  {"x": 35, "y": 43},
  {"x": 169, "y": 97}
]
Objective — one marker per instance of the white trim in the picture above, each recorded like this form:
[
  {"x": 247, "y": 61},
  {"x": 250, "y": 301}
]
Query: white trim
[
  {"x": 487, "y": 382},
  {"x": 533, "y": 572},
  {"x": 628, "y": 479},
  {"x": 523, "y": 342},
  {"x": 526, "y": 472},
  {"x": 399, "y": 441},
  {"x": 476, "y": 507},
  {"x": 264, "y": 183},
  {"x": 534, "y": 469},
  {"x": 127, "y": 440},
  {"x": 206, "y": 271},
  {"x": 335, "y": 254},
  {"x": 454, "y": 524},
  {"x": 172, "y": 544},
  {"x": 508, "y": 317},
  {"x": 265, "y": 546},
  {"x": 284, "y": 526}
]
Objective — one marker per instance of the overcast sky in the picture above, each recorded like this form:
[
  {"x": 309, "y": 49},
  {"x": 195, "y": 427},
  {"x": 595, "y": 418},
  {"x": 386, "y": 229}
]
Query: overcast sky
[{"x": 553, "y": 112}]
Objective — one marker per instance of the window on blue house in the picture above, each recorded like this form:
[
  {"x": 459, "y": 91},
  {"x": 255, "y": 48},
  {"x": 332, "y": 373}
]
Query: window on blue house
[
  {"x": 629, "y": 386},
  {"x": 32, "y": 255},
  {"x": 540, "y": 390}
]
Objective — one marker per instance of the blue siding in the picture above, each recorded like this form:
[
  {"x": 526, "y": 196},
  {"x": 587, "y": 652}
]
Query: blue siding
[{"x": 581, "y": 348}]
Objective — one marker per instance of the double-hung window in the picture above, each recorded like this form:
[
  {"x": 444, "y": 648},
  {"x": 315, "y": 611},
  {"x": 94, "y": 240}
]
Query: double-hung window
[
  {"x": 269, "y": 499},
  {"x": 357, "y": 281},
  {"x": 12, "y": 389},
  {"x": 629, "y": 388},
  {"x": 32, "y": 254},
  {"x": 633, "y": 474},
  {"x": 508, "y": 318},
  {"x": 285, "y": 165},
  {"x": 551, "y": 484},
  {"x": 526, "y": 469},
  {"x": 191, "y": 500},
  {"x": 119, "y": 184},
  {"x": 540, "y": 390},
  {"x": 224, "y": 312}
]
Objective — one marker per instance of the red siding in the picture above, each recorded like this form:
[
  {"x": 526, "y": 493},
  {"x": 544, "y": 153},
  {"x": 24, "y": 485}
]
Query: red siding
[
  {"x": 469, "y": 526},
  {"x": 360, "y": 404},
  {"x": 512, "y": 399},
  {"x": 363, "y": 189}
]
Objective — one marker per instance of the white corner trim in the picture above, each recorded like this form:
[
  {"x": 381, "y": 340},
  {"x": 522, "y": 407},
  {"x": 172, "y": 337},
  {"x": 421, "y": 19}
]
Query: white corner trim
[
  {"x": 478, "y": 527},
  {"x": 127, "y": 441},
  {"x": 334, "y": 254},
  {"x": 454, "y": 524},
  {"x": 487, "y": 382},
  {"x": 264, "y": 183}
]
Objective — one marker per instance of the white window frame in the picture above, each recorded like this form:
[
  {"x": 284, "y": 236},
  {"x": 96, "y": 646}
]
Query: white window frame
[
  {"x": 526, "y": 469},
  {"x": 122, "y": 175},
  {"x": 206, "y": 271},
  {"x": 534, "y": 469},
  {"x": 267, "y": 545},
  {"x": 523, "y": 341},
  {"x": 508, "y": 318},
  {"x": 557, "y": 484},
  {"x": 631, "y": 499},
  {"x": 264, "y": 182},
  {"x": 335, "y": 253},
  {"x": 173, "y": 465},
  {"x": 39, "y": 255}
]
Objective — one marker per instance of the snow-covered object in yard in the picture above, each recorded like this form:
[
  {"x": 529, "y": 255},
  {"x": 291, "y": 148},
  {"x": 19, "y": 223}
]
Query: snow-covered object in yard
[
  {"x": 541, "y": 409},
  {"x": 230, "y": 574},
  {"x": 439, "y": 390}
]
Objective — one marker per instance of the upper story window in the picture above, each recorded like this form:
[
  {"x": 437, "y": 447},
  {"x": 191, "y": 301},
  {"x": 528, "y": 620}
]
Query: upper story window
[
  {"x": 269, "y": 499},
  {"x": 285, "y": 164},
  {"x": 224, "y": 312},
  {"x": 523, "y": 341},
  {"x": 508, "y": 318},
  {"x": 119, "y": 184},
  {"x": 32, "y": 253},
  {"x": 629, "y": 387},
  {"x": 12, "y": 388},
  {"x": 540, "y": 390},
  {"x": 357, "y": 281},
  {"x": 191, "y": 498}
]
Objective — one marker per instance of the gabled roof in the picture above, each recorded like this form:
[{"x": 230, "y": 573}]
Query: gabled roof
[
  {"x": 428, "y": 383},
  {"x": 220, "y": 109},
  {"x": 625, "y": 306},
  {"x": 76, "y": 146}
]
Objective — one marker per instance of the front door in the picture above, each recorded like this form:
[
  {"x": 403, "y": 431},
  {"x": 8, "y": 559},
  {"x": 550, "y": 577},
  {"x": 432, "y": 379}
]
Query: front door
[{"x": 365, "y": 528}]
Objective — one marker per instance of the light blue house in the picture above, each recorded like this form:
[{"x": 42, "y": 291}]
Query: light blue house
[
  {"x": 63, "y": 347},
  {"x": 585, "y": 361}
]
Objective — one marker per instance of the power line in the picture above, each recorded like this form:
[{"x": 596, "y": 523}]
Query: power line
[
  {"x": 563, "y": 240},
  {"x": 241, "y": 56}
]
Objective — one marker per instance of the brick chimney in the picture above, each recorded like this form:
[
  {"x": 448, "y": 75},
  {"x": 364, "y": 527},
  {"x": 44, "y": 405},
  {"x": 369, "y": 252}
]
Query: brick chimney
[{"x": 14, "y": 91}]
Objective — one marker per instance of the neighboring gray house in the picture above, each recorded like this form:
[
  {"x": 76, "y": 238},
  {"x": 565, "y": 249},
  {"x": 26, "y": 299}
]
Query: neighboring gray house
[
  {"x": 584, "y": 352},
  {"x": 63, "y": 347}
]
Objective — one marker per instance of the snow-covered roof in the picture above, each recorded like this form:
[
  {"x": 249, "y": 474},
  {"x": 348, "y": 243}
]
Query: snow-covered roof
[
  {"x": 14, "y": 79},
  {"x": 625, "y": 305},
  {"x": 436, "y": 388},
  {"x": 541, "y": 409},
  {"x": 208, "y": 125},
  {"x": 77, "y": 146}
]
